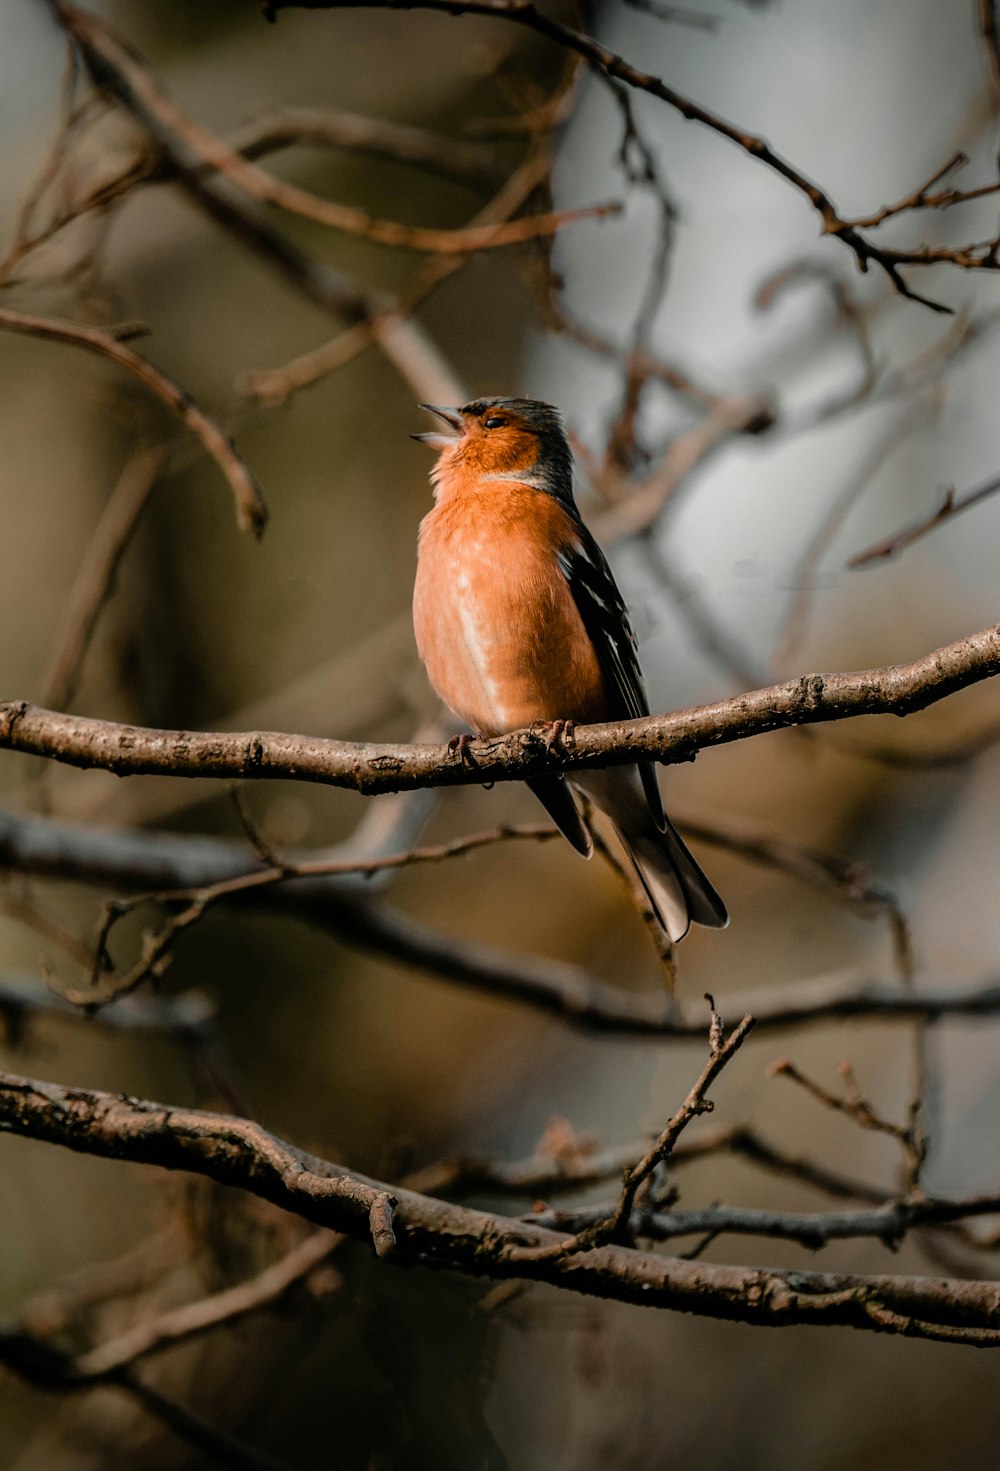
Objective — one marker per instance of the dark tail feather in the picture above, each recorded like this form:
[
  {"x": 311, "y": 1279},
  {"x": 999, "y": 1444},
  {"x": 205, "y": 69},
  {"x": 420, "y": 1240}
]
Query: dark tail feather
[
  {"x": 558, "y": 800},
  {"x": 678, "y": 889}
]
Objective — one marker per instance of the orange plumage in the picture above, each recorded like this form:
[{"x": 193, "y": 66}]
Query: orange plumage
[
  {"x": 496, "y": 624},
  {"x": 518, "y": 620}
]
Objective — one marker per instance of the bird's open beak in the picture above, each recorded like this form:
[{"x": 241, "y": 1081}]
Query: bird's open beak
[{"x": 437, "y": 440}]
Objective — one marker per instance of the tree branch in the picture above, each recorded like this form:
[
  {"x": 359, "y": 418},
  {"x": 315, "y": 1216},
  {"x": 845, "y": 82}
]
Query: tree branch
[
  {"x": 251, "y": 511},
  {"x": 147, "y": 860},
  {"x": 114, "y": 65},
  {"x": 242, "y": 1154},
  {"x": 615, "y": 68},
  {"x": 130, "y": 750}
]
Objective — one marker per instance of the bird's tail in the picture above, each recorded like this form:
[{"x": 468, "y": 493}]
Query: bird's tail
[{"x": 678, "y": 890}]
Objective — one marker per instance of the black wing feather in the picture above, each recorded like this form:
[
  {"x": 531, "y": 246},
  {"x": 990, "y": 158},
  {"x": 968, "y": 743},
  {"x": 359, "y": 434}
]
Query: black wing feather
[{"x": 606, "y": 620}]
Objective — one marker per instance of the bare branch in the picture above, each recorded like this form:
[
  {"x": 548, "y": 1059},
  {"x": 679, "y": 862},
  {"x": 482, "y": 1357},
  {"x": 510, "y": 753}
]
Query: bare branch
[
  {"x": 722, "y": 1049},
  {"x": 614, "y": 68},
  {"x": 130, "y": 750},
  {"x": 117, "y": 68},
  {"x": 145, "y": 860},
  {"x": 251, "y": 510},
  {"x": 951, "y": 506},
  {"x": 239, "y": 1153},
  {"x": 95, "y": 580},
  {"x": 179, "y": 1324}
]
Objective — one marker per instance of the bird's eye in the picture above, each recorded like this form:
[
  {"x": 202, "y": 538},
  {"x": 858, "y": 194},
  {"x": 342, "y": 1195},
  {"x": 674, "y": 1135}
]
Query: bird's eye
[{"x": 493, "y": 423}]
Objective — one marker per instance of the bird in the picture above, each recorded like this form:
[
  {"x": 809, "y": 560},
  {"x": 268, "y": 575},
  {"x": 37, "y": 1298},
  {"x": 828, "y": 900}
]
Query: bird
[{"x": 519, "y": 623}]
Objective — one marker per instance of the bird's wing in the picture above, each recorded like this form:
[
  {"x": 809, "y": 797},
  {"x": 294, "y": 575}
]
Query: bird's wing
[
  {"x": 606, "y": 620},
  {"x": 556, "y": 796}
]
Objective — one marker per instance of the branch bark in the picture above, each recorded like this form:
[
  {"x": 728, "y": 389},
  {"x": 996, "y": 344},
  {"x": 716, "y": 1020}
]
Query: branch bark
[
  {"x": 242, "y": 1154},
  {"x": 130, "y": 750}
]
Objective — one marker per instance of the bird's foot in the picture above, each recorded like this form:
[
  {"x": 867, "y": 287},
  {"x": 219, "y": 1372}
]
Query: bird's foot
[
  {"x": 459, "y": 745},
  {"x": 559, "y": 735}
]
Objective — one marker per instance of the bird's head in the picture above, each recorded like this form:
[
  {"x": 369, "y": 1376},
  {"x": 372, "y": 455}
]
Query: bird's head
[{"x": 503, "y": 439}]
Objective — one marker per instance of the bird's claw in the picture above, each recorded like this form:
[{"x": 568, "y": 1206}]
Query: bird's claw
[
  {"x": 559, "y": 735},
  {"x": 459, "y": 745}
]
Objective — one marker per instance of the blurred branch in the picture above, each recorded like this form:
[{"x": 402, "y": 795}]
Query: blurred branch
[
  {"x": 436, "y": 153},
  {"x": 565, "y": 1162},
  {"x": 390, "y": 322},
  {"x": 157, "y": 947},
  {"x": 435, "y": 1233},
  {"x": 95, "y": 579},
  {"x": 176, "y": 1325},
  {"x": 162, "y": 861},
  {"x": 987, "y": 10},
  {"x": 804, "y": 578},
  {"x": 639, "y": 512},
  {"x": 130, "y": 750},
  {"x": 120, "y": 69},
  {"x": 189, "y": 1016},
  {"x": 849, "y": 883},
  {"x": 281, "y": 127},
  {"x": 613, "y": 68},
  {"x": 43, "y": 1364},
  {"x": 250, "y": 508},
  {"x": 950, "y": 507}
]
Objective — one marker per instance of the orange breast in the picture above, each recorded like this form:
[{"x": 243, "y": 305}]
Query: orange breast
[{"x": 495, "y": 621}]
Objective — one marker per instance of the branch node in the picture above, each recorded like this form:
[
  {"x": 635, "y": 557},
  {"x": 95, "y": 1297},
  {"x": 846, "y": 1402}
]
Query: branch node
[{"x": 380, "y": 1223}]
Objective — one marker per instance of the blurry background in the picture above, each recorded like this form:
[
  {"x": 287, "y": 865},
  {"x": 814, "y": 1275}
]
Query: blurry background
[{"x": 878, "y": 407}]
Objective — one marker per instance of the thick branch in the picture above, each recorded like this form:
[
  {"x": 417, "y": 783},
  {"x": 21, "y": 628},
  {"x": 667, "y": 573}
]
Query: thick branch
[
  {"x": 129, "y": 750},
  {"x": 239, "y": 1153}
]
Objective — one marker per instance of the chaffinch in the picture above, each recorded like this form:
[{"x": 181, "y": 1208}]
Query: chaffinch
[{"x": 519, "y": 621}]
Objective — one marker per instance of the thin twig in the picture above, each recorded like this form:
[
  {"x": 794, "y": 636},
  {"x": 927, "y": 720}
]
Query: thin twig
[
  {"x": 111, "y": 60},
  {"x": 251, "y": 510}
]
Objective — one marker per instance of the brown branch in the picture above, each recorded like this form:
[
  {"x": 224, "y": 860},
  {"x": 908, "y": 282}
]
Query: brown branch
[
  {"x": 285, "y": 127},
  {"x": 110, "y": 59},
  {"x": 95, "y": 579},
  {"x": 251, "y": 510},
  {"x": 987, "y": 10},
  {"x": 728, "y": 418},
  {"x": 950, "y": 506},
  {"x": 242, "y": 1154},
  {"x": 388, "y": 323},
  {"x": 722, "y": 1049},
  {"x": 853, "y": 1105},
  {"x": 176, "y": 1325},
  {"x": 923, "y": 198},
  {"x": 615, "y": 68},
  {"x": 577, "y": 1164},
  {"x": 157, "y": 947},
  {"x": 145, "y": 860},
  {"x": 282, "y": 127},
  {"x": 129, "y": 750},
  {"x": 405, "y": 345}
]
